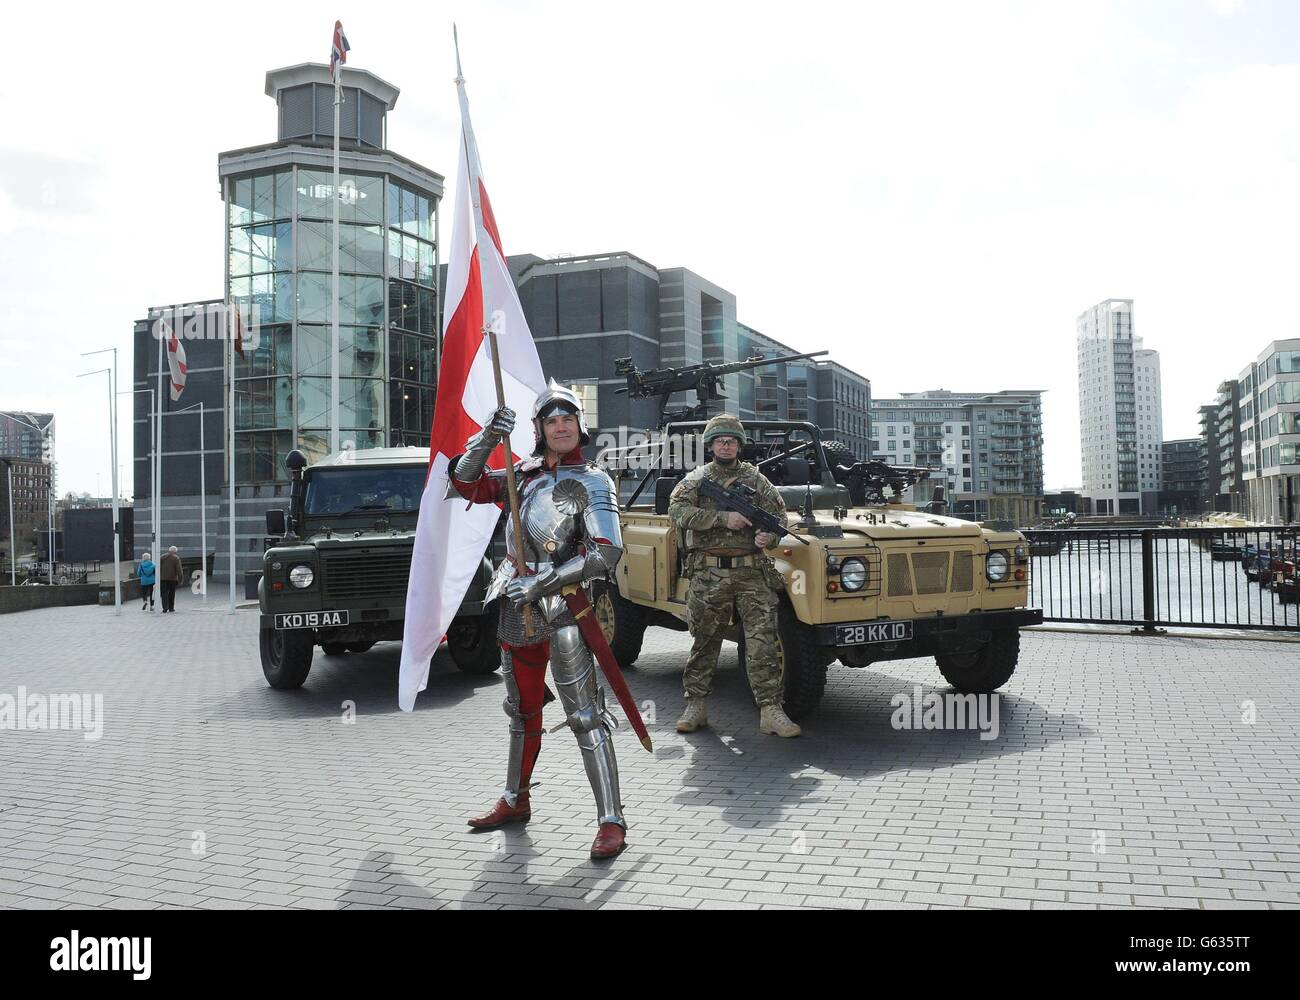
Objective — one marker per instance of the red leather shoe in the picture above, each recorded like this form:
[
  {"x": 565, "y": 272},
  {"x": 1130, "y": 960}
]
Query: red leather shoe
[
  {"x": 610, "y": 841},
  {"x": 502, "y": 813}
]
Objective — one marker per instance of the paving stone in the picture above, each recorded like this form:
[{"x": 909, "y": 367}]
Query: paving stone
[{"x": 1121, "y": 777}]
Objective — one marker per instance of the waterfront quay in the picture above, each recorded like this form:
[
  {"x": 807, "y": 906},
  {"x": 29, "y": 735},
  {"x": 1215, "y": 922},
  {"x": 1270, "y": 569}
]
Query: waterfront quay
[{"x": 1124, "y": 772}]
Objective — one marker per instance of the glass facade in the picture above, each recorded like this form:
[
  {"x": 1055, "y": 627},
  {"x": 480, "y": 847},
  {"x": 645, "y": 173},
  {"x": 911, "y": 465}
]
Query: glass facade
[{"x": 281, "y": 256}]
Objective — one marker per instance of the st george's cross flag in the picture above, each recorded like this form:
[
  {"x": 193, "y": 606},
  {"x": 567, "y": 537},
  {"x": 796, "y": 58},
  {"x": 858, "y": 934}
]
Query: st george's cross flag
[
  {"x": 175, "y": 362},
  {"x": 451, "y": 536}
]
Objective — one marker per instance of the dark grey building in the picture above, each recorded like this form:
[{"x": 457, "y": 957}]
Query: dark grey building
[
  {"x": 1182, "y": 485},
  {"x": 585, "y": 312}
]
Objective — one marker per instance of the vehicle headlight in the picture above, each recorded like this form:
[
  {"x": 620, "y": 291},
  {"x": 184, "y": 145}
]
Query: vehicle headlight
[
  {"x": 301, "y": 576},
  {"x": 853, "y": 574},
  {"x": 996, "y": 566}
]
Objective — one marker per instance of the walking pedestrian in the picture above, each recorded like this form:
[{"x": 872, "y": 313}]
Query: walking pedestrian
[
  {"x": 147, "y": 574},
  {"x": 170, "y": 573}
]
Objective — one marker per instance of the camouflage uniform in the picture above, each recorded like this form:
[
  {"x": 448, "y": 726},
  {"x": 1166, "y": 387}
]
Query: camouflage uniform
[{"x": 713, "y": 591}]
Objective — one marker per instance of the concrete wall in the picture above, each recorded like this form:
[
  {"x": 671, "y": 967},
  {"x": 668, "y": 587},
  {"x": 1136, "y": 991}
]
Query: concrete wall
[{"x": 30, "y": 598}]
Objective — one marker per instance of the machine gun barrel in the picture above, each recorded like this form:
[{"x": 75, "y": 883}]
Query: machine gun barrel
[{"x": 665, "y": 381}]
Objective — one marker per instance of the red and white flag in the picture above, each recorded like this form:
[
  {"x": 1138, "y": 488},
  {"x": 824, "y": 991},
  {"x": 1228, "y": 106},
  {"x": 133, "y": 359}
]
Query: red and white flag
[
  {"x": 339, "y": 49},
  {"x": 175, "y": 361},
  {"x": 451, "y": 537}
]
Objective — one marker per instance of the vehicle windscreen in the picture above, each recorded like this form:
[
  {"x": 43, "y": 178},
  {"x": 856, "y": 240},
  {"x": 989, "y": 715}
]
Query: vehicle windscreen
[{"x": 363, "y": 491}]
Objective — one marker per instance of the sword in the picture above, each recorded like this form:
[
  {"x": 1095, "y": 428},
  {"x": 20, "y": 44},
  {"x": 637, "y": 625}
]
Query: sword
[{"x": 576, "y": 599}]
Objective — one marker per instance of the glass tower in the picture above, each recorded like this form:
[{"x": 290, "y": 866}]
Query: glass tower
[{"x": 279, "y": 209}]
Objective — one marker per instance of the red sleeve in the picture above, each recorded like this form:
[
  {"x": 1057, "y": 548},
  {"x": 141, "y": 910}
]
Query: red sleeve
[{"x": 485, "y": 489}]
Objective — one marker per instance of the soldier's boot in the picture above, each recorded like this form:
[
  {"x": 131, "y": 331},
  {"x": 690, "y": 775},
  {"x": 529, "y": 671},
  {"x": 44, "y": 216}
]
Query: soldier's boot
[
  {"x": 773, "y": 721},
  {"x": 695, "y": 717},
  {"x": 503, "y": 812}
]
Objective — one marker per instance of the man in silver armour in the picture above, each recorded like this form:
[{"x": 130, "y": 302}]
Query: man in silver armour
[{"x": 571, "y": 535}]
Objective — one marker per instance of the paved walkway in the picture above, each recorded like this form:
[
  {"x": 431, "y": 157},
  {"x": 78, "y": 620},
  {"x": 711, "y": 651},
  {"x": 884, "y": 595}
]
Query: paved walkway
[{"x": 1124, "y": 773}]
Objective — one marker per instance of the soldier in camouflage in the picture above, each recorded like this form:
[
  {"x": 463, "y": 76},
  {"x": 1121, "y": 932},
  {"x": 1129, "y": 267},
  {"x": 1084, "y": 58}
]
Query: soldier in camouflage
[{"x": 729, "y": 570}]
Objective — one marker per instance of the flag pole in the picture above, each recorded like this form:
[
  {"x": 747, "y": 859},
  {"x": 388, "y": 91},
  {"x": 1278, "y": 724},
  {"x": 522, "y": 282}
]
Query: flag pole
[
  {"x": 228, "y": 431},
  {"x": 334, "y": 298},
  {"x": 492, "y": 326},
  {"x": 157, "y": 458},
  {"x": 203, "y": 510},
  {"x": 117, "y": 535}
]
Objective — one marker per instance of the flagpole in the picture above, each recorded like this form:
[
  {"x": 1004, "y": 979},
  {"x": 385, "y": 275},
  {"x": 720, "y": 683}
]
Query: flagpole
[
  {"x": 157, "y": 457},
  {"x": 203, "y": 510},
  {"x": 117, "y": 532},
  {"x": 13, "y": 535},
  {"x": 334, "y": 299},
  {"x": 492, "y": 324}
]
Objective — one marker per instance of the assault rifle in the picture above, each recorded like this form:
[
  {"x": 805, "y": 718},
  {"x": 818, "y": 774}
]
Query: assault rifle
[
  {"x": 704, "y": 379},
  {"x": 744, "y": 500}
]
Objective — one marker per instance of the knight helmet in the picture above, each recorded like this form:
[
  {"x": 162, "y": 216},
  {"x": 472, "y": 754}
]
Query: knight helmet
[{"x": 556, "y": 398}]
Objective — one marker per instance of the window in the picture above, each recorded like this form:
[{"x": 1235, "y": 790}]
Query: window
[{"x": 361, "y": 197}]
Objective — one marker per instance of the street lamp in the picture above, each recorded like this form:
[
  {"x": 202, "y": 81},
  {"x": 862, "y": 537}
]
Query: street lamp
[{"x": 112, "y": 432}]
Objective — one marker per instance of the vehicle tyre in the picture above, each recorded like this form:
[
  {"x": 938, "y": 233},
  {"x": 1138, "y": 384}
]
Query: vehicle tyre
[
  {"x": 802, "y": 662},
  {"x": 334, "y": 648},
  {"x": 472, "y": 642},
  {"x": 359, "y": 647},
  {"x": 286, "y": 657},
  {"x": 622, "y": 621},
  {"x": 985, "y": 670},
  {"x": 839, "y": 453}
]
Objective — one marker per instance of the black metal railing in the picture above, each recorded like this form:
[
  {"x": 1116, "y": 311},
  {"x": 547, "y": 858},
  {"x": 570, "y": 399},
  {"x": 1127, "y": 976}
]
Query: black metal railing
[{"x": 1153, "y": 577}]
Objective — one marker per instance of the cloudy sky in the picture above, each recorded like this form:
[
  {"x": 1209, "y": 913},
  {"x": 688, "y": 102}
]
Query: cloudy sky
[{"x": 933, "y": 191}]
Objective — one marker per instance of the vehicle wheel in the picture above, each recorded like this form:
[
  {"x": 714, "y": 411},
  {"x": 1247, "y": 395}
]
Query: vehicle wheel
[
  {"x": 472, "y": 642},
  {"x": 334, "y": 648},
  {"x": 802, "y": 662},
  {"x": 839, "y": 453},
  {"x": 286, "y": 657},
  {"x": 985, "y": 670},
  {"x": 622, "y": 622},
  {"x": 359, "y": 647}
]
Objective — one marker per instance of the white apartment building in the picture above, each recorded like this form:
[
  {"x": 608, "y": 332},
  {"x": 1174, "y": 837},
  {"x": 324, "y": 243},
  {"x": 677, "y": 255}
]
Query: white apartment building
[
  {"x": 1120, "y": 426},
  {"x": 986, "y": 448},
  {"x": 1269, "y": 416}
]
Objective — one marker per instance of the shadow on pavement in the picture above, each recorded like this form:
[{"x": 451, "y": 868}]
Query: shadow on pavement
[{"x": 369, "y": 680}]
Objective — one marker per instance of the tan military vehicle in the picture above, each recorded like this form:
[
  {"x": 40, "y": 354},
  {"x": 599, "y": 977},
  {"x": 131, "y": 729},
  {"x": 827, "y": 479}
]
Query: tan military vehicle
[{"x": 867, "y": 577}]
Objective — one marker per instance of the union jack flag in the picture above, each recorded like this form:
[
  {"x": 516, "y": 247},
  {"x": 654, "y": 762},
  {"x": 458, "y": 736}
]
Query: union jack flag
[{"x": 338, "y": 50}]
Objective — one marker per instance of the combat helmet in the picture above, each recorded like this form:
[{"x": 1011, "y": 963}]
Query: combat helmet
[
  {"x": 556, "y": 398},
  {"x": 724, "y": 425}
]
